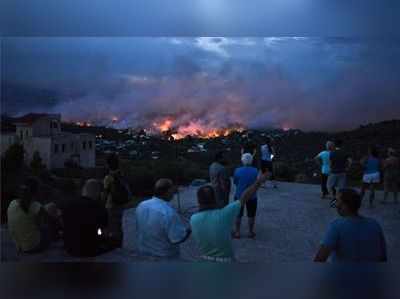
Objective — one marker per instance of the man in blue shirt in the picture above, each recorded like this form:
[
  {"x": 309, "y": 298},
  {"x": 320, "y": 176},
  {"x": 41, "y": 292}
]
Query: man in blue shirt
[
  {"x": 352, "y": 238},
  {"x": 243, "y": 178}
]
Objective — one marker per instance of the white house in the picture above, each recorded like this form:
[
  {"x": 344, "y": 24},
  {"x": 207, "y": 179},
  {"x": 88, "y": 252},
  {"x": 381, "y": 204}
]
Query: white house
[{"x": 42, "y": 133}]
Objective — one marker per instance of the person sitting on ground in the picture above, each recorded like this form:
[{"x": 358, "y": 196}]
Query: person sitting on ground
[
  {"x": 267, "y": 155},
  {"x": 32, "y": 226},
  {"x": 212, "y": 226},
  {"x": 220, "y": 180},
  {"x": 243, "y": 178},
  {"x": 340, "y": 162},
  {"x": 118, "y": 198},
  {"x": 160, "y": 229},
  {"x": 352, "y": 237},
  {"x": 371, "y": 177},
  {"x": 323, "y": 160},
  {"x": 84, "y": 219},
  {"x": 391, "y": 167}
]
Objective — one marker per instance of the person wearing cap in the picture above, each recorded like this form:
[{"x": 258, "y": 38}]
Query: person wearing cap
[
  {"x": 32, "y": 225},
  {"x": 243, "y": 178},
  {"x": 391, "y": 167},
  {"x": 352, "y": 237},
  {"x": 211, "y": 226},
  {"x": 159, "y": 228}
]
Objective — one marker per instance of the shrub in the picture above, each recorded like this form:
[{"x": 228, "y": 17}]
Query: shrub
[
  {"x": 13, "y": 158},
  {"x": 37, "y": 165}
]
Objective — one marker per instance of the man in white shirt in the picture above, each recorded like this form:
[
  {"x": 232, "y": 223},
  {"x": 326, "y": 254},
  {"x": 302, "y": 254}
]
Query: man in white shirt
[{"x": 160, "y": 229}]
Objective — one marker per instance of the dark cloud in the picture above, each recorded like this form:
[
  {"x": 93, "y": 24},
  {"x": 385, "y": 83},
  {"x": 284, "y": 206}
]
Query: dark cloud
[{"x": 306, "y": 83}]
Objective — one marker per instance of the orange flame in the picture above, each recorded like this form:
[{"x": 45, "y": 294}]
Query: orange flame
[{"x": 193, "y": 129}]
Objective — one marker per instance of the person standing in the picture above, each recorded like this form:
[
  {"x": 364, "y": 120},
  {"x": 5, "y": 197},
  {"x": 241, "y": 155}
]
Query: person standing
[
  {"x": 340, "y": 162},
  {"x": 323, "y": 160},
  {"x": 243, "y": 178},
  {"x": 352, "y": 237},
  {"x": 220, "y": 180},
  {"x": 371, "y": 177},
  {"x": 267, "y": 154},
  {"x": 391, "y": 167},
  {"x": 118, "y": 198}
]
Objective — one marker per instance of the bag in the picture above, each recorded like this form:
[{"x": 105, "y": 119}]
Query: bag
[{"x": 120, "y": 191}]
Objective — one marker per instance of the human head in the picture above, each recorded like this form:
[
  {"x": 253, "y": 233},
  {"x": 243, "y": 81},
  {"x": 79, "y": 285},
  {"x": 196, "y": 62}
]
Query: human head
[
  {"x": 330, "y": 146},
  {"x": 113, "y": 162},
  {"x": 27, "y": 191},
  {"x": 268, "y": 141},
  {"x": 348, "y": 202},
  {"x": 164, "y": 189},
  {"x": 391, "y": 152},
  {"x": 247, "y": 159},
  {"x": 92, "y": 189},
  {"x": 373, "y": 151},
  {"x": 206, "y": 198}
]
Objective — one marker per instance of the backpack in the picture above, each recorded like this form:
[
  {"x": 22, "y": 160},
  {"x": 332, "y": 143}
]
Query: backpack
[{"x": 120, "y": 191}]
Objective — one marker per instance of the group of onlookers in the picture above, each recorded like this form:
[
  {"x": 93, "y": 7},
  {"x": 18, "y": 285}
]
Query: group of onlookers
[
  {"x": 335, "y": 163},
  {"x": 92, "y": 223}
]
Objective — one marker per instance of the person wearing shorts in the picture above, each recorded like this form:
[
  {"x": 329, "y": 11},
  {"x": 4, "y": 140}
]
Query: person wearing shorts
[
  {"x": 371, "y": 176},
  {"x": 391, "y": 167},
  {"x": 243, "y": 178},
  {"x": 339, "y": 162}
]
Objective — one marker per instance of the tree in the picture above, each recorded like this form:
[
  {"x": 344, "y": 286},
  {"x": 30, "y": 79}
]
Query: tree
[
  {"x": 37, "y": 163},
  {"x": 13, "y": 158}
]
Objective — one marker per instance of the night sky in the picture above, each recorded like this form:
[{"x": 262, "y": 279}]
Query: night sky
[{"x": 293, "y": 81}]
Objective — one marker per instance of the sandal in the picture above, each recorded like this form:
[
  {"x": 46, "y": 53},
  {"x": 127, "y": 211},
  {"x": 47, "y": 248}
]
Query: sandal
[
  {"x": 235, "y": 235},
  {"x": 252, "y": 235}
]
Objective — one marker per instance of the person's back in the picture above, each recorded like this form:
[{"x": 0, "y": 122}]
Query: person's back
[
  {"x": 23, "y": 225},
  {"x": 266, "y": 153},
  {"x": 338, "y": 161},
  {"x": 82, "y": 218},
  {"x": 356, "y": 239},
  {"x": 325, "y": 158},
  {"x": 371, "y": 165},
  {"x": 244, "y": 177},
  {"x": 158, "y": 227},
  {"x": 212, "y": 230},
  {"x": 215, "y": 172}
]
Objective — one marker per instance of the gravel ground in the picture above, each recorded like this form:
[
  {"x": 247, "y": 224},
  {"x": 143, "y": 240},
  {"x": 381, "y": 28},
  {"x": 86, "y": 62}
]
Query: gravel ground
[{"x": 291, "y": 221}]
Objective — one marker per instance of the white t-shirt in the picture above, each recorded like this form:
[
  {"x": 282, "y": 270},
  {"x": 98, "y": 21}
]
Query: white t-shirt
[
  {"x": 266, "y": 154},
  {"x": 158, "y": 225},
  {"x": 325, "y": 167}
]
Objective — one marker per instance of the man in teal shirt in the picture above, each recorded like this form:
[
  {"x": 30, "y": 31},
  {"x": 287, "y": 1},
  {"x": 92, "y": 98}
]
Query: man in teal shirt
[{"x": 212, "y": 227}]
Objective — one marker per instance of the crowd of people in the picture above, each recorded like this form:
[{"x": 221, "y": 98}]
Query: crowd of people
[{"x": 91, "y": 224}]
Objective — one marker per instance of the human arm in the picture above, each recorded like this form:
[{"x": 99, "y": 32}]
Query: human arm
[
  {"x": 249, "y": 192},
  {"x": 177, "y": 232},
  {"x": 328, "y": 244},
  {"x": 323, "y": 254}
]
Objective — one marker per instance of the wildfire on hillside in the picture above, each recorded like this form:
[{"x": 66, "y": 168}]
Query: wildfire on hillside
[{"x": 193, "y": 128}]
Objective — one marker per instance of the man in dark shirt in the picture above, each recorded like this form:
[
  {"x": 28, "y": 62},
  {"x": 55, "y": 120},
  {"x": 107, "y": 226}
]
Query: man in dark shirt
[
  {"x": 83, "y": 220},
  {"x": 340, "y": 162}
]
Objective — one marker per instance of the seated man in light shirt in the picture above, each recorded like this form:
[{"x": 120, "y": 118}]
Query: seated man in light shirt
[
  {"x": 212, "y": 227},
  {"x": 160, "y": 229},
  {"x": 352, "y": 237}
]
